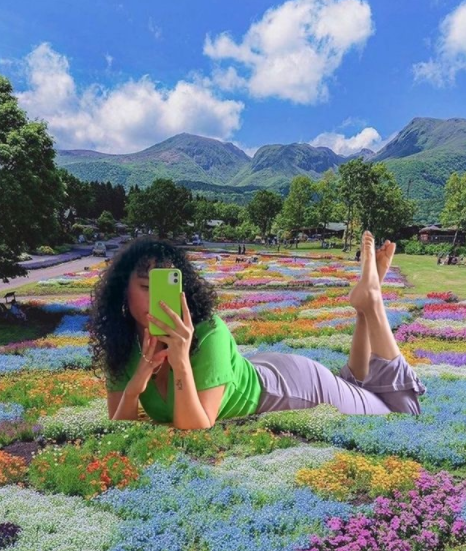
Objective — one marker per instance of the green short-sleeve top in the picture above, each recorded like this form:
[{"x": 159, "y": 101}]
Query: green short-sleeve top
[{"x": 216, "y": 362}]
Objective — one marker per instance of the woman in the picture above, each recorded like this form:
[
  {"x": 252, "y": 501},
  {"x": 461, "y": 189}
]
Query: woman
[{"x": 196, "y": 375}]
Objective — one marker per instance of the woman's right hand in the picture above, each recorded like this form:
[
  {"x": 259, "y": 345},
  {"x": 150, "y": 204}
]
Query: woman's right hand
[{"x": 138, "y": 382}]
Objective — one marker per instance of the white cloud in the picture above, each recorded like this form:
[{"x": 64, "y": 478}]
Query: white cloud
[
  {"x": 109, "y": 60},
  {"x": 450, "y": 51},
  {"x": 368, "y": 138},
  {"x": 294, "y": 50},
  {"x": 353, "y": 122},
  {"x": 155, "y": 30},
  {"x": 228, "y": 79},
  {"x": 126, "y": 119}
]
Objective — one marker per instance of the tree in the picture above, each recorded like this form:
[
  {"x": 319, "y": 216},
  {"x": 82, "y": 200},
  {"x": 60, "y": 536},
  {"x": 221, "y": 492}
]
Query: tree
[
  {"x": 354, "y": 175},
  {"x": 297, "y": 205},
  {"x": 77, "y": 193},
  {"x": 106, "y": 222},
  {"x": 31, "y": 191},
  {"x": 327, "y": 207},
  {"x": 374, "y": 199},
  {"x": 385, "y": 209},
  {"x": 204, "y": 210},
  {"x": 229, "y": 212},
  {"x": 163, "y": 206},
  {"x": 263, "y": 208},
  {"x": 454, "y": 211}
]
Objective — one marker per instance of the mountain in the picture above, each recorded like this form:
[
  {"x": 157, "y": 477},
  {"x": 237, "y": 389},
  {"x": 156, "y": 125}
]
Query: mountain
[
  {"x": 422, "y": 156},
  {"x": 426, "y": 134},
  {"x": 182, "y": 157},
  {"x": 364, "y": 153},
  {"x": 275, "y": 166}
]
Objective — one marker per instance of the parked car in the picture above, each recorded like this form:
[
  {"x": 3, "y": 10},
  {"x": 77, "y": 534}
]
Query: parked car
[
  {"x": 198, "y": 242},
  {"x": 125, "y": 239},
  {"x": 100, "y": 249}
]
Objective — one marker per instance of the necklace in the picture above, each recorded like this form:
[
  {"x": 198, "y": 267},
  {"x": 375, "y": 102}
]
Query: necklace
[{"x": 154, "y": 374}]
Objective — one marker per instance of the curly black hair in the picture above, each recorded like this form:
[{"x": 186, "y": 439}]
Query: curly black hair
[{"x": 111, "y": 333}]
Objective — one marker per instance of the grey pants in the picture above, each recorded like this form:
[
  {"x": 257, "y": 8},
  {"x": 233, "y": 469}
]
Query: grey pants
[{"x": 291, "y": 381}]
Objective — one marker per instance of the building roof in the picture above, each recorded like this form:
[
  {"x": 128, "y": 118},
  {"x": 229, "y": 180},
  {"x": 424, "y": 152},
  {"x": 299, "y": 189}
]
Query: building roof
[
  {"x": 428, "y": 229},
  {"x": 335, "y": 226}
]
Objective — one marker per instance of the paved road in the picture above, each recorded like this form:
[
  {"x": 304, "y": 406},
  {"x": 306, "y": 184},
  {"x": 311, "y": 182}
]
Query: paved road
[{"x": 53, "y": 271}]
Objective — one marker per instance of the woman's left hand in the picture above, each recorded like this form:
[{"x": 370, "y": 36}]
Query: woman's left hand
[{"x": 178, "y": 340}]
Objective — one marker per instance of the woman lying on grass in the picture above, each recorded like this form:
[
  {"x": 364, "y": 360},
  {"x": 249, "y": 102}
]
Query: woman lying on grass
[{"x": 196, "y": 375}]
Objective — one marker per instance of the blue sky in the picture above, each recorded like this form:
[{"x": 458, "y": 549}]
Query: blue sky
[{"x": 121, "y": 76}]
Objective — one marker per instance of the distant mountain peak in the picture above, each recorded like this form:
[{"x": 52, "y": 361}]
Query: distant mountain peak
[
  {"x": 426, "y": 134},
  {"x": 365, "y": 153},
  {"x": 422, "y": 157}
]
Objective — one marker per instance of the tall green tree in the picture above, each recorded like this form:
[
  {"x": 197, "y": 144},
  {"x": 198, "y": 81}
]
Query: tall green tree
[
  {"x": 354, "y": 176},
  {"x": 384, "y": 209},
  {"x": 77, "y": 193},
  {"x": 263, "y": 208},
  {"x": 326, "y": 207},
  {"x": 163, "y": 206},
  {"x": 454, "y": 211},
  {"x": 230, "y": 213},
  {"x": 31, "y": 191},
  {"x": 297, "y": 205},
  {"x": 204, "y": 210},
  {"x": 373, "y": 199}
]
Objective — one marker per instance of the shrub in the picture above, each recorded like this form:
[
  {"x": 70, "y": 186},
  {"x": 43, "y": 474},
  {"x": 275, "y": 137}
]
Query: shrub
[
  {"x": 77, "y": 229},
  {"x": 24, "y": 256},
  {"x": 414, "y": 246},
  {"x": 62, "y": 249},
  {"x": 88, "y": 233},
  {"x": 45, "y": 249}
]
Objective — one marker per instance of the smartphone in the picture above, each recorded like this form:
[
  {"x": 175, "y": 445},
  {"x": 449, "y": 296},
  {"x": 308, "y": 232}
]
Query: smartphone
[{"x": 164, "y": 284}]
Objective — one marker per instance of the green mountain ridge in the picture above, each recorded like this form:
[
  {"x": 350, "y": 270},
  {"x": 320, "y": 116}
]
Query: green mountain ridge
[{"x": 422, "y": 157}]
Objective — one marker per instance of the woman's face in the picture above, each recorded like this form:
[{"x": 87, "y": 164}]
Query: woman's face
[{"x": 138, "y": 294}]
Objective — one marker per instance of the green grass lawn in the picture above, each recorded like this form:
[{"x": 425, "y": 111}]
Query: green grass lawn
[{"x": 423, "y": 272}]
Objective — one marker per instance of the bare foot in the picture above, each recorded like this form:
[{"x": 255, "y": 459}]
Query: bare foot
[
  {"x": 384, "y": 257},
  {"x": 368, "y": 288}
]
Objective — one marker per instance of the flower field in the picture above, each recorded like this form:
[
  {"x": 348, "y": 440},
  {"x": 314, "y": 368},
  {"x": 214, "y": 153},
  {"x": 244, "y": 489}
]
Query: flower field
[{"x": 307, "y": 480}]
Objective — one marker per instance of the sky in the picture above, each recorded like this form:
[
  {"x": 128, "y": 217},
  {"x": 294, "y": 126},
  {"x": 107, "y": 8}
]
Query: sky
[{"x": 120, "y": 76}]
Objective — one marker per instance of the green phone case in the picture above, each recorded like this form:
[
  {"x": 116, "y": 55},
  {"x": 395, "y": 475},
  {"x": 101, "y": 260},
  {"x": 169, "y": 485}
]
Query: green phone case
[{"x": 164, "y": 284}]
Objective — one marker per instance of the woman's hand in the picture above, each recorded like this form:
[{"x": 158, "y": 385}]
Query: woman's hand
[
  {"x": 179, "y": 339},
  {"x": 138, "y": 383}
]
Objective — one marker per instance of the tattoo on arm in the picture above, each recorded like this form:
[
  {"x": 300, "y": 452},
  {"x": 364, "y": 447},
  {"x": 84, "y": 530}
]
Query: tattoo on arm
[{"x": 179, "y": 385}]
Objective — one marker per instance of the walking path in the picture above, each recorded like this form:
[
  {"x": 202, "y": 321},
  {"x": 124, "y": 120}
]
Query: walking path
[{"x": 59, "y": 269}]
